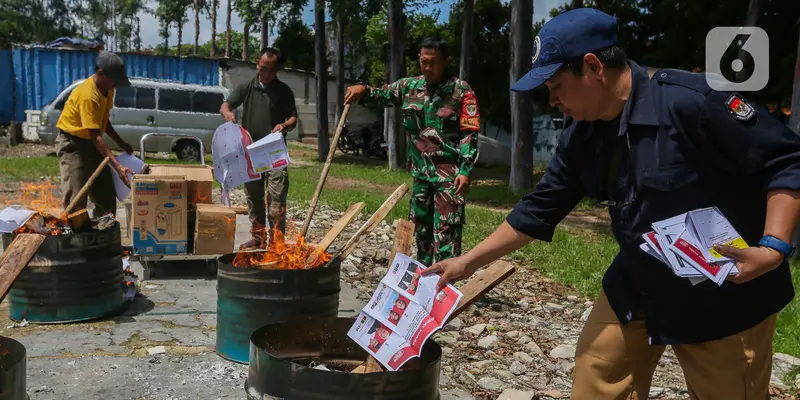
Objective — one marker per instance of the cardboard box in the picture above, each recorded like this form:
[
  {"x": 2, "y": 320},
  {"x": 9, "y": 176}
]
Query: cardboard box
[
  {"x": 215, "y": 229},
  {"x": 200, "y": 180},
  {"x": 158, "y": 216},
  {"x": 269, "y": 153}
]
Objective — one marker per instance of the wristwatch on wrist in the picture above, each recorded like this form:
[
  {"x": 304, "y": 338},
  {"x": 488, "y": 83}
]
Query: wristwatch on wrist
[{"x": 778, "y": 245}]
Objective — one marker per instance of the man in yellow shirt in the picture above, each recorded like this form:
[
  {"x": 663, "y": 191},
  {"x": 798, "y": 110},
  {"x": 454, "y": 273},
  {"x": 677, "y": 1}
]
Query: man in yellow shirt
[{"x": 80, "y": 147}]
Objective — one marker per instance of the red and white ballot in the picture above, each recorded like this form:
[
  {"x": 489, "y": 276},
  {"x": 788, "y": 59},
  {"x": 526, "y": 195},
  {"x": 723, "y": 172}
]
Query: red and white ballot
[
  {"x": 405, "y": 310},
  {"x": 685, "y": 243}
]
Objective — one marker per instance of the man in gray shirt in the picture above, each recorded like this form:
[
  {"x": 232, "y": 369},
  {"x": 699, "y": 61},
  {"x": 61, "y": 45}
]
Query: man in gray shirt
[{"x": 267, "y": 106}]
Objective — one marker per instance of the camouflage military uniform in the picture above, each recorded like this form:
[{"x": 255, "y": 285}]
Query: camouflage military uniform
[{"x": 442, "y": 123}]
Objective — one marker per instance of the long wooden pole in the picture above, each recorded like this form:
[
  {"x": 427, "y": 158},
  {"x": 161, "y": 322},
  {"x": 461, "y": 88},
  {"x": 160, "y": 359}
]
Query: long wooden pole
[
  {"x": 325, "y": 168},
  {"x": 86, "y": 187}
]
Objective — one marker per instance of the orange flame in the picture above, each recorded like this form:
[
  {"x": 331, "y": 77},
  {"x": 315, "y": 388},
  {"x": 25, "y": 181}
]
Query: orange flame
[
  {"x": 39, "y": 198},
  {"x": 281, "y": 254}
]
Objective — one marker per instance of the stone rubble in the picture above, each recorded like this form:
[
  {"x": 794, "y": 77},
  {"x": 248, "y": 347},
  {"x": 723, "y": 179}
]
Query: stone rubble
[{"x": 515, "y": 343}]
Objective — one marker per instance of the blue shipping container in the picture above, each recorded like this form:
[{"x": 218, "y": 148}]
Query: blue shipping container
[{"x": 41, "y": 74}]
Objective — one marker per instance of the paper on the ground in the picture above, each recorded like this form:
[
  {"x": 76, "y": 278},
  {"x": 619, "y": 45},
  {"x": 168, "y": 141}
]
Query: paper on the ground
[
  {"x": 708, "y": 227},
  {"x": 135, "y": 164},
  {"x": 11, "y": 218},
  {"x": 410, "y": 307},
  {"x": 691, "y": 253},
  {"x": 232, "y": 166}
]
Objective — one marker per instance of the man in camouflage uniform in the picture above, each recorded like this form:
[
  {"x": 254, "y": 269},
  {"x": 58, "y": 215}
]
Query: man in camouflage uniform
[{"x": 441, "y": 119}]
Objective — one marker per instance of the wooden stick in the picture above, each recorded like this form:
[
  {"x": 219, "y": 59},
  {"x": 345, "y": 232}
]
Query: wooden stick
[
  {"x": 335, "y": 231},
  {"x": 325, "y": 168},
  {"x": 86, "y": 186},
  {"x": 79, "y": 220},
  {"x": 479, "y": 285},
  {"x": 373, "y": 221},
  {"x": 402, "y": 244},
  {"x": 15, "y": 257}
]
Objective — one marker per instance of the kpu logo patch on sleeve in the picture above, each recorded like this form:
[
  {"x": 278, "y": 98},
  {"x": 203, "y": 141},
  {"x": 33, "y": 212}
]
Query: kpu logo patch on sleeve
[{"x": 739, "y": 108}]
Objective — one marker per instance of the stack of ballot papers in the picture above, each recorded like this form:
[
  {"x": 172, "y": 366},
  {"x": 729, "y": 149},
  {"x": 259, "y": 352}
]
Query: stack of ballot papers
[{"x": 686, "y": 242}]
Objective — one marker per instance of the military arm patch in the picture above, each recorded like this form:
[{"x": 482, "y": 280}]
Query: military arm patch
[
  {"x": 739, "y": 108},
  {"x": 470, "y": 115}
]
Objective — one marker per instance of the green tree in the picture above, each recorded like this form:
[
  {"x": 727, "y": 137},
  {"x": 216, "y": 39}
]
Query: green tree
[{"x": 295, "y": 41}]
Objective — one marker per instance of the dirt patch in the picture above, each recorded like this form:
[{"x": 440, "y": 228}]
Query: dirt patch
[
  {"x": 335, "y": 182},
  {"x": 27, "y": 150}
]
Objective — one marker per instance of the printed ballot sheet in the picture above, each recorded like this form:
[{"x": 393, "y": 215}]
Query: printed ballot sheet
[
  {"x": 680, "y": 241},
  {"x": 708, "y": 227},
  {"x": 232, "y": 165},
  {"x": 408, "y": 305},
  {"x": 135, "y": 164}
]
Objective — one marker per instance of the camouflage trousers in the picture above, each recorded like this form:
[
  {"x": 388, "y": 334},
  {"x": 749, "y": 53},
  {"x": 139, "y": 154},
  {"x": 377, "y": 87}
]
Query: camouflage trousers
[
  {"x": 438, "y": 216},
  {"x": 277, "y": 189}
]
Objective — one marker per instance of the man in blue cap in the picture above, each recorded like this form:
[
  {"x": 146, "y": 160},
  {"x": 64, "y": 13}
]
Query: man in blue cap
[{"x": 650, "y": 145}]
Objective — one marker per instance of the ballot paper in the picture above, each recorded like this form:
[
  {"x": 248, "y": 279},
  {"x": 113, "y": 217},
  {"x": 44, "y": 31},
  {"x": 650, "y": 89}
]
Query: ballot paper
[
  {"x": 405, "y": 310},
  {"x": 708, "y": 227},
  {"x": 135, "y": 164},
  {"x": 679, "y": 242},
  {"x": 232, "y": 166},
  {"x": 13, "y": 217}
]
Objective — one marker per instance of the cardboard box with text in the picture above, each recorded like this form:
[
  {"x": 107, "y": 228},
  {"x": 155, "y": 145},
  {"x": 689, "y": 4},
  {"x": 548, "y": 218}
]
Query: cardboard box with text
[
  {"x": 215, "y": 229},
  {"x": 158, "y": 216},
  {"x": 199, "y": 179}
]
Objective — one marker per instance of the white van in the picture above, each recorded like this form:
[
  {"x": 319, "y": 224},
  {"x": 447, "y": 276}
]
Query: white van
[{"x": 153, "y": 106}]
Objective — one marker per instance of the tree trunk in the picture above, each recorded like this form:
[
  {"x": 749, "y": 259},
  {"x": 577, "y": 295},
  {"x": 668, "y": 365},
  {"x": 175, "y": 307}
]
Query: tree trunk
[
  {"x": 214, "y": 5},
  {"x": 228, "y": 32},
  {"x": 138, "y": 34},
  {"x": 196, "y": 27},
  {"x": 166, "y": 40},
  {"x": 466, "y": 40},
  {"x": 264, "y": 24},
  {"x": 323, "y": 140},
  {"x": 180, "y": 37},
  {"x": 245, "y": 37},
  {"x": 114, "y": 22},
  {"x": 339, "y": 64},
  {"x": 754, "y": 10},
  {"x": 396, "y": 137},
  {"x": 521, "y": 102}
]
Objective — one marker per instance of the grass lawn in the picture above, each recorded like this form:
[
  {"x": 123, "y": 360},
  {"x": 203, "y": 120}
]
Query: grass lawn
[{"x": 578, "y": 256}]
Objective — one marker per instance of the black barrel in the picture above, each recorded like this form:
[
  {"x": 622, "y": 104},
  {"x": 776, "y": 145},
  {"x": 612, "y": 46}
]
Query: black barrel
[
  {"x": 12, "y": 370},
  {"x": 73, "y": 277},
  {"x": 249, "y": 298},
  {"x": 280, "y": 355}
]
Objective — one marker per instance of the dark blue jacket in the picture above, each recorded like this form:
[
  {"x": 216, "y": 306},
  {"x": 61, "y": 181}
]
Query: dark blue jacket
[{"x": 688, "y": 152}]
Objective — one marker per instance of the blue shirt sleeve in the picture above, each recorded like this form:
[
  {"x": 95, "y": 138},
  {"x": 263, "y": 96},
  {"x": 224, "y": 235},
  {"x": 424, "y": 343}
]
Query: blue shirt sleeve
[{"x": 556, "y": 194}]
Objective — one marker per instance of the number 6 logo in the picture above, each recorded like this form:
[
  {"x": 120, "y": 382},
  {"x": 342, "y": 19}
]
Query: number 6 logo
[{"x": 737, "y": 58}]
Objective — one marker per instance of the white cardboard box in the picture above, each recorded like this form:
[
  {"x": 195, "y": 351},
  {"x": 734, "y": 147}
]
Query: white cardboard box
[{"x": 269, "y": 153}]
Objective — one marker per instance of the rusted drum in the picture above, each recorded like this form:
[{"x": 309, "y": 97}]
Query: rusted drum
[
  {"x": 73, "y": 277},
  {"x": 280, "y": 355},
  {"x": 12, "y": 370},
  {"x": 249, "y": 298}
]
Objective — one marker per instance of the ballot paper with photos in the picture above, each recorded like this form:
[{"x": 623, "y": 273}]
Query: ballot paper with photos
[
  {"x": 685, "y": 244},
  {"x": 405, "y": 310}
]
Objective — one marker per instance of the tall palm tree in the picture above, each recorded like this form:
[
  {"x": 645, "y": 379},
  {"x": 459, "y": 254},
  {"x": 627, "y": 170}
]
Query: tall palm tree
[
  {"x": 228, "y": 31},
  {"x": 214, "y": 5}
]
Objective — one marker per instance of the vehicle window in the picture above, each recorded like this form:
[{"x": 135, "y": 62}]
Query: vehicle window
[
  {"x": 206, "y": 102},
  {"x": 60, "y": 104},
  {"x": 145, "y": 99},
  {"x": 174, "y": 100},
  {"x": 124, "y": 97}
]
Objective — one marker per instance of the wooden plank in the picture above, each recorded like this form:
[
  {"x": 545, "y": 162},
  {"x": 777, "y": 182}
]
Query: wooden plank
[
  {"x": 327, "y": 240},
  {"x": 15, "y": 257},
  {"x": 482, "y": 283},
  {"x": 403, "y": 236},
  {"x": 324, "y": 175},
  {"x": 241, "y": 210},
  {"x": 373, "y": 221},
  {"x": 79, "y": 220},
  {"x": 402, "y": 244}
]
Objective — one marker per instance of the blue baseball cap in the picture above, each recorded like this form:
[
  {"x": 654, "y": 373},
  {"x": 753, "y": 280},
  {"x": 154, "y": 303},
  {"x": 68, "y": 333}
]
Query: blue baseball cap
[{"x": 568, "y": 36}]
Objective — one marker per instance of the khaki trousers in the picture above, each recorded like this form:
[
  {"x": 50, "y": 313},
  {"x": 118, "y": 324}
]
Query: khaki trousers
[
  {"x": 273, "y": 210},
  {"x": 78, "y": 159},
  {"x": 616, "y": 362}
]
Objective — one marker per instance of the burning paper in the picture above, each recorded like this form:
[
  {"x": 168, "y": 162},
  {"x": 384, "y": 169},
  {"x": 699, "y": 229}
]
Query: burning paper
[
  {"x": 11, "y": 218},
  {"x": 281, "y": 255},
  {"x": 39, "y": 198},
  {"x": 403, "y": 313}
]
